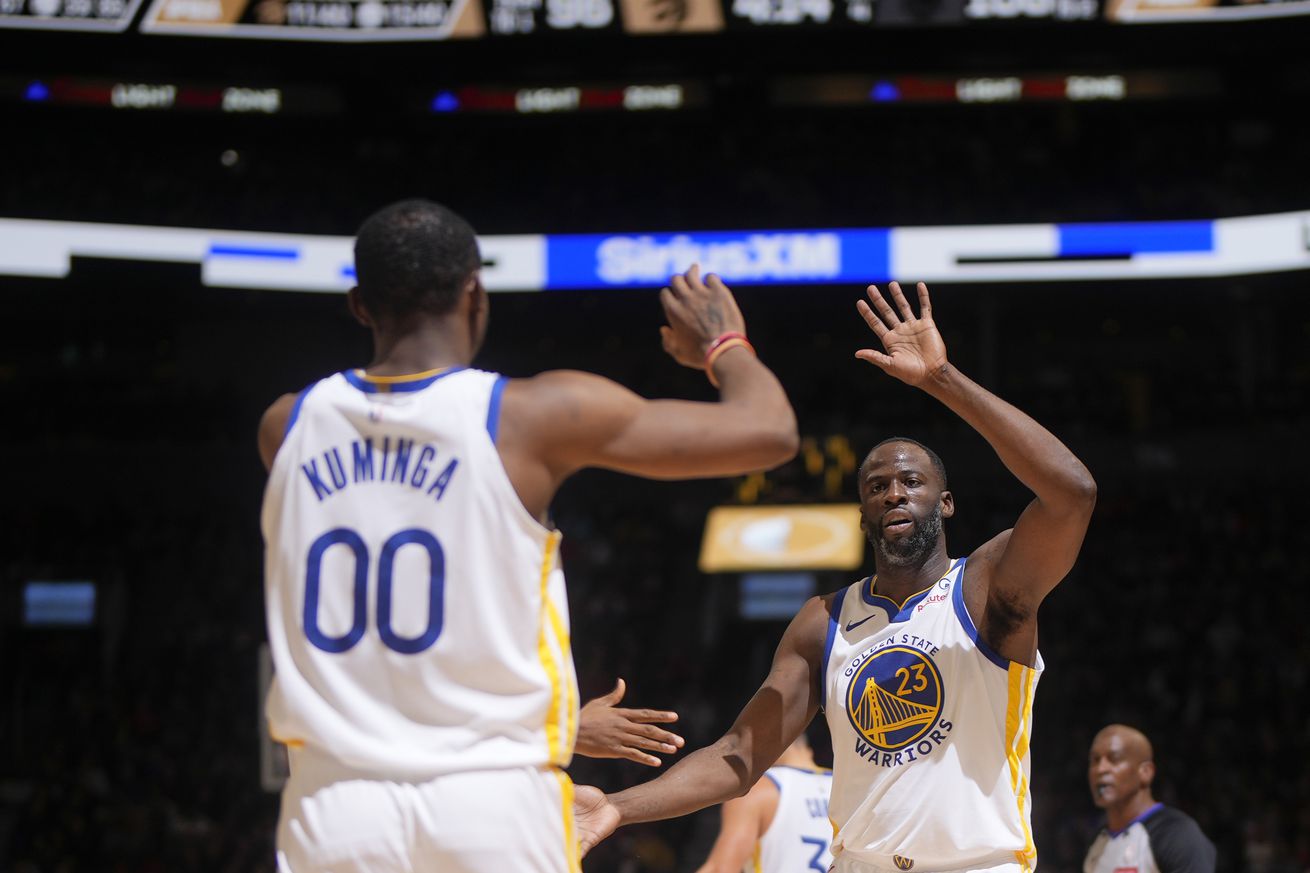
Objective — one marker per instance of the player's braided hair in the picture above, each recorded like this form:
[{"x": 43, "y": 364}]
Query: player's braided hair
[{"x": 413, "y": 257}]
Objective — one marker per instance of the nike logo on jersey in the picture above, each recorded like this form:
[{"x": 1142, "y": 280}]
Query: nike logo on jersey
[{"x": 854, "y": 624}]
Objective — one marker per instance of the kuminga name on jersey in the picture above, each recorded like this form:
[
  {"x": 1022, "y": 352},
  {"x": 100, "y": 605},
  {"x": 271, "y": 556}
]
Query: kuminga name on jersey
[
  {"x": 416, "y": 611},
  {"x": 930, "y": 734}
]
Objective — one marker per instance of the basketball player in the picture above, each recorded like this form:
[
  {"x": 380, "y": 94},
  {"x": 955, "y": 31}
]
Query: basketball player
[
  {"x": 926, "y": 670},
  {"x": 1140, "y": 835},
  {"x": 416, "y": 607},
  {"x": 781, "y": 824}
]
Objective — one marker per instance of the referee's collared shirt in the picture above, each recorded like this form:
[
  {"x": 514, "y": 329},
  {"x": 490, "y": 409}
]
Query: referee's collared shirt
[{"x": 1160, "y": 840}]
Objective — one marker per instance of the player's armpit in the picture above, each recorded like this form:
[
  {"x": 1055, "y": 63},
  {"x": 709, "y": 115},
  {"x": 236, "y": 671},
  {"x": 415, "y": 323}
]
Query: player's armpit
[
  {"x": 273, "y": 427},
  {"x": 576, "y": 419},
  {"x": 1008, "y": 577}
]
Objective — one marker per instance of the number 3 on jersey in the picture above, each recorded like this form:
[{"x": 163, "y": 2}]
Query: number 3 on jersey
[
  {"x": 344, "y": 536},
  {"x": 820, "y": 846}
]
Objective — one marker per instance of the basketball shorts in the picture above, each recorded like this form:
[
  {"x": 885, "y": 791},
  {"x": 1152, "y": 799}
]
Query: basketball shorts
[
  {"x": 850, "y": 865},
  {"x": 337, "y": 821}
]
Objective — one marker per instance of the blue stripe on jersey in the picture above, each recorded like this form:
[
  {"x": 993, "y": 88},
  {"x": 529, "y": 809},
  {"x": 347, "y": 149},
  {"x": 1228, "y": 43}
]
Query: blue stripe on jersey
[
  {"x": 1146, "y": 813},
  {"x": 774, "y": 780},
  {"x": 295, "y": 408},
  {"x": 388, "y": 387},
  {"x": 966, "y": 621},
  {"x": 834, "y": 618},
  {"x": 886, "y": 604},
  {"x": 493, "y": 408}
]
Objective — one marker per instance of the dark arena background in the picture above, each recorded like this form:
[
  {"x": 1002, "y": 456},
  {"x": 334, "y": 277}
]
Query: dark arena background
[{"x": 1174, "y": 356}]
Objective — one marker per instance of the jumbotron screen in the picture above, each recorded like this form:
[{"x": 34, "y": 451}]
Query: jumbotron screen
[{"x": 435, "y": 20}]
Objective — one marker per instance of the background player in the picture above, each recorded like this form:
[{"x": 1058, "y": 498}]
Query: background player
[
  {"x": 781, "y": 825},
  {"x": 926, "y": 671},
  {"x": 1140, "y": 835},
  {"x": 416, "y": 609}
]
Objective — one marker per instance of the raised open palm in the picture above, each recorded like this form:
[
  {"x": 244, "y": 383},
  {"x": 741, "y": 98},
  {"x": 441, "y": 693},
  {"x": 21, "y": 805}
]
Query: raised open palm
[{"x": 914, "y": 347}]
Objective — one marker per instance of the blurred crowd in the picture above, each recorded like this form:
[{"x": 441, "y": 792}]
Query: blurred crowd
[{"x": 882, "y": 166}]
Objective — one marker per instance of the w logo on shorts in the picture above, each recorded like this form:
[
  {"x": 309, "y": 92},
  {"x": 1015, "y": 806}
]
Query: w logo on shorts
[{"x": 903, "y": 863}]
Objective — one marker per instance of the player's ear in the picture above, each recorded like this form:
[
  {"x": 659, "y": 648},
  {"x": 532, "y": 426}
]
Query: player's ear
[
  {"x": 357, "y": 309},
  {"x": 1146, "y": 770},
  {"x": 477, "y": 294},
  {"x": 948, "y": 504}
]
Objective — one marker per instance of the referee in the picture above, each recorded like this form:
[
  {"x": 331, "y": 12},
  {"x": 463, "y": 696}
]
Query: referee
[{"x": 1140, "y": 835}]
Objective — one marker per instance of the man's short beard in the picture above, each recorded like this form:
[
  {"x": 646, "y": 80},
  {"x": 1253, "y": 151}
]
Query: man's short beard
[{"x": 914, "y": 548}]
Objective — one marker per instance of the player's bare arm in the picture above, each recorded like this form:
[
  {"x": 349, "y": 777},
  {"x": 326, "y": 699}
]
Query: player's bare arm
[
  {"x": 273, "y": 427},
  {"x": 745, "y": 819},
  {"x": 1006, "y": 578},
  {"x": 770, "y": 722},
  {"x": 561, "y": 421},
  {"x": 606, "y": 730}
]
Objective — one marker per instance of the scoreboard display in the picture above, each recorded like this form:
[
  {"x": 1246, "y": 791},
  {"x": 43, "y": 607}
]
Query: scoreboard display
[
  {"x": 110, "y": 16},
  {"x": 345, "y": 20},
  {"x": 436, "y": 20}
]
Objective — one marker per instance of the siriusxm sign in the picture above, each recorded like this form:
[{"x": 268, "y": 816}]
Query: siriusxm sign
[{"x": 743, "y": 257}]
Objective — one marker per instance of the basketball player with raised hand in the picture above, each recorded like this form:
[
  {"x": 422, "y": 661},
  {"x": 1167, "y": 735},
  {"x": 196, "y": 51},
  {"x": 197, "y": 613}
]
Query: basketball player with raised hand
[
  {"x": 926, "y": 670},
  {"x": 416, "y": 607}
]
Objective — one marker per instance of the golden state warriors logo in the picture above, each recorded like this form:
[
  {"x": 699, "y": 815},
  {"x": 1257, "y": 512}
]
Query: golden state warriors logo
[
  {"x": 902, "y": 862},
  {"x": 895, "y": 698}
]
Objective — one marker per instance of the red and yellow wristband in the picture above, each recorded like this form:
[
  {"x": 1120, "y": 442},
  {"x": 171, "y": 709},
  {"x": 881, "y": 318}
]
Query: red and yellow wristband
[{"x": 722, "y": 343}]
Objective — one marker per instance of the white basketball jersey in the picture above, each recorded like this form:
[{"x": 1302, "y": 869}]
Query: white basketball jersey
[
  {"x": 416, "y": 611},
  {"x": 930, "y": 733},
  {"x": 798, "y": 838}
]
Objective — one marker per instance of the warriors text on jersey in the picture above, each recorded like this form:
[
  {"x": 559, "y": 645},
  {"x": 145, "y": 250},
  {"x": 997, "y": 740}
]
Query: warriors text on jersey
[
  {"x": 1160, "y": 840},
  {"x": 797, "y": 839},
  {"x": 930, "y": 732},
  {"x": 416, "y": 611}
]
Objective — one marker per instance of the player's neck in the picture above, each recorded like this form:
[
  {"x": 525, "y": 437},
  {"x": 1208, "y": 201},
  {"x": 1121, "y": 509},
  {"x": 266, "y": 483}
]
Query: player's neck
[
  {"x": 900, "y": 582},
  {"x": 1119, "y": 817},
  {"x": 429, "y": 345}
]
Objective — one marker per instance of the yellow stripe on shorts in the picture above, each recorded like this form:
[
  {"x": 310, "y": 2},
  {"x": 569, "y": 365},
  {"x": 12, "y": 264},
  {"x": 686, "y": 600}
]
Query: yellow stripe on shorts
[{"x": 570, "y": 827}]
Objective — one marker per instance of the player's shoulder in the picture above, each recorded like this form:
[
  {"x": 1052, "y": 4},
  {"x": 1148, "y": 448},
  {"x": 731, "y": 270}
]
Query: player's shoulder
[
  {"x": 981, "y": 559},
  {"x": 274, "y": 424},
  {"x": 559, "y": 381}
]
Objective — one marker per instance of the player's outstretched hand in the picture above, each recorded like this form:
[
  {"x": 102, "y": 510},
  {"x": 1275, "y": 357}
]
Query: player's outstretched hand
[
  {"x": 699, "y": 312},
  {"x": 914, "y": 347},
  {"x": 594, "y": 817},
  {"x": 606, "y": 731}
]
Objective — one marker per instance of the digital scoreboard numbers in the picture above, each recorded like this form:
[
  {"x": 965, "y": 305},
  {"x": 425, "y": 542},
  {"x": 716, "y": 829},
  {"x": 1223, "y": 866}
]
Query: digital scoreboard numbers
[
  {"x": 528, "y": 17},
  {"x": 335, "y": 20},
  {"x": 781, "y": 14},
  {"x": 93, "y": 15},
  {"x": 525, "y": 17}
]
